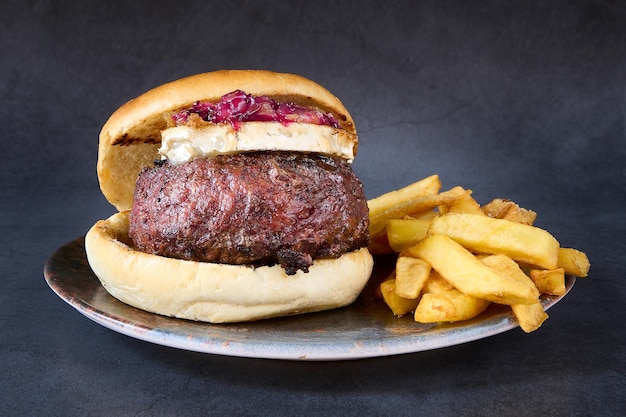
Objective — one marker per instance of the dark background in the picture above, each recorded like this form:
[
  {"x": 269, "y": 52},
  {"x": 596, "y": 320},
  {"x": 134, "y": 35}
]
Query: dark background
[{"x": 524, "y": 100}]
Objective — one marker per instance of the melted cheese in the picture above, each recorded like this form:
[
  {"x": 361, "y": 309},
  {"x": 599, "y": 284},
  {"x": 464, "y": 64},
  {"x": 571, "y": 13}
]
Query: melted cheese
[{"x": 182, "y": 144}]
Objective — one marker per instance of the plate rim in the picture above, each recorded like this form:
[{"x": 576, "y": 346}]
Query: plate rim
[{"x": 294, "y": 350}]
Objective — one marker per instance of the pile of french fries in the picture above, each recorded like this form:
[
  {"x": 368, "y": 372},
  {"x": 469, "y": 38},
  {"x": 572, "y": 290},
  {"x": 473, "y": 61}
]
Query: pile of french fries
[{"x": 456, "y": 257}]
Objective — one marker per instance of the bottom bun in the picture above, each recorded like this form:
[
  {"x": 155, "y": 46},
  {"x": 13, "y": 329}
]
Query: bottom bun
[{"x": 218, "y": 293}]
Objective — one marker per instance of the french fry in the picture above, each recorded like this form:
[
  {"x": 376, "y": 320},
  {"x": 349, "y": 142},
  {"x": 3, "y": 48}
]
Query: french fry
[
  {"x": 574, "y": 262},
  {"x": 468, "y": 274},
  {"x": 420, "y": 204},
  {"x": 506, "y": 209},
  {"x": 529, "y": 316},
  {"x": 510, "y": 269},
  {"x": 497, "y": 207},
  {"x": 427, "y": 186},
  {"x": 441, "y": 302},
  {"x": 520, "y": 215},
  {"x": 455, "y": 257},
  {"x": 404, "y": 233},
  {"x": 520, "y": 242},
  {"x": 411, "y": 275},
  {"x": 425, "y": 215},
  {"x": 398, "y": 305},
  {"x": 551, "y": 281},
  {"x": 465, "y": 204},
  {"x": 379, "y": 205}
]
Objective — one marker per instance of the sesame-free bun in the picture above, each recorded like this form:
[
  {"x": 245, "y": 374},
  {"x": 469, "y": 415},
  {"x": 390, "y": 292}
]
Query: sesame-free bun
[
  {"x": 212, "y": 292},
  {"x": 131, "y": 137},
  {"x": 218, "y": 293}
]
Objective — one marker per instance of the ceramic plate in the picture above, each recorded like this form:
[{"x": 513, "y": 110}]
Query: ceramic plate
[{"x": 367, "y": 328}]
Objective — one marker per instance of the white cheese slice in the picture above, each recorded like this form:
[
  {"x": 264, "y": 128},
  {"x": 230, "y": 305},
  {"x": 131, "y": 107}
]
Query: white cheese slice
[{"x": 182, "y": 144}]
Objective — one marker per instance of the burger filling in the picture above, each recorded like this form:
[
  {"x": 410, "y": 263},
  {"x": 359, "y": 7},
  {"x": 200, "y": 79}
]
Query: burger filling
[
  {"x": 257, "y": 208},
  {"x": 208, "y": 129},
  {"x": 238, "y": 107}
]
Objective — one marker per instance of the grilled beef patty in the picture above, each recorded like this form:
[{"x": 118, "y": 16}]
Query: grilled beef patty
[{"x": 258, "y": 208}]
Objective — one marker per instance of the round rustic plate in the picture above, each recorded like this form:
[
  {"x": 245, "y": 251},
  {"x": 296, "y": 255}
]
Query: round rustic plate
[{"x": 364, "y": 329}]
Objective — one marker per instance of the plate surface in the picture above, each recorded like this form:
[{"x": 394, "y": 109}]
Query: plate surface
[{"x": 367, "y": 328}]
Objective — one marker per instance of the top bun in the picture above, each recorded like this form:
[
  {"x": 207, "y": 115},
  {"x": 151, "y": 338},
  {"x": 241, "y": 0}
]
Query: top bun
[{"x": 130, "y": 139}]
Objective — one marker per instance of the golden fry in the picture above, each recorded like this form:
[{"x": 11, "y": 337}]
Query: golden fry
[
  {"x": 521, "y": 242},
  {"x": 411, "y": 275},
  {"x": 520, "y": 215},
  {"x": 506, "y": 209},
  {"x": 465, "y": 204},
  {"x": 468, "y": 274},
  {"x": 456, "y": 257},
  {"x": 497, "y": 207},
  {"x": 420, "y": 204},
  {"x": 511, "y": 270},
  {"x": 529, "y": 316},
  {"x": 398, "y": 305},
  {"x": 551, "y": 281},
  {"x": 574, "y": 262},
  {"x": 427, "y": 186},
  {"x": 425, "y": 215},
  {"x": 441, "y": 302},
  {"x": 404, "y": 233}
]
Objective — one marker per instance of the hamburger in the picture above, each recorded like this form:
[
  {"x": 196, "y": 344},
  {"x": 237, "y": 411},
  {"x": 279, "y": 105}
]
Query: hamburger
[{"x": 235, "y": 198}]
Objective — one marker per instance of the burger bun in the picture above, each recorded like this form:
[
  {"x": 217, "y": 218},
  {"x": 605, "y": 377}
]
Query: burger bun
[{"x": 218, "y": 293}]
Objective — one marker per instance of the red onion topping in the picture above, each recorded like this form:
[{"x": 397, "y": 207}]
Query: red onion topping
[{"x": 237, "y": 107}]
